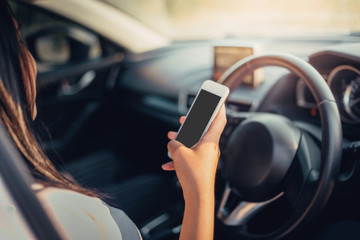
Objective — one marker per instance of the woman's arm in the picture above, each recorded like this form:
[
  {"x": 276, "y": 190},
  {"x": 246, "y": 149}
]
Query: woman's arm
[{"x": 195, "y": 168}]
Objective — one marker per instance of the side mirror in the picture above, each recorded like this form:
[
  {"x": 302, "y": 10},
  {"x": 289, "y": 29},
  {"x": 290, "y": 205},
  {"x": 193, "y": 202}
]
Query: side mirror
[{"x": 62, "y": 45}]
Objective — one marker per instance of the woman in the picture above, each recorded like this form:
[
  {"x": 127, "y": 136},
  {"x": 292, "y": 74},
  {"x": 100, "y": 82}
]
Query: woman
[{"x": 80, "y": 212}]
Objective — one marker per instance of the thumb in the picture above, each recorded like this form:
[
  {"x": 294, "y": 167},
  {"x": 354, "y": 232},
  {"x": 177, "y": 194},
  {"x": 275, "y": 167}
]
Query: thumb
[{"x": 216, "y": 127}]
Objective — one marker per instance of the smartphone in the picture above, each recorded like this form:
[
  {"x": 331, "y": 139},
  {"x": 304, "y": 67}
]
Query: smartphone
[{"x": 202, "y": 112}]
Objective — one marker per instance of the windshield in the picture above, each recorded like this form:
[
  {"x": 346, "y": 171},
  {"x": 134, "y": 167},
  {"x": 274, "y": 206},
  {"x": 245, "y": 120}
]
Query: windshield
[{"x": 194, "y": 19}]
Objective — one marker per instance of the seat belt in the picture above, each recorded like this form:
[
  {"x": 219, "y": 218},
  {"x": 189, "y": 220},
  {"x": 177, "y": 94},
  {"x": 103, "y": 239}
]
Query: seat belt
[{"x": 18, "y": 179}]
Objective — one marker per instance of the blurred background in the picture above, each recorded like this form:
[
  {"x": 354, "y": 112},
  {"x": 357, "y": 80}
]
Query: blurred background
[
  {"x": 184, "y": 19},
  {"x": 189, "y": 19}
]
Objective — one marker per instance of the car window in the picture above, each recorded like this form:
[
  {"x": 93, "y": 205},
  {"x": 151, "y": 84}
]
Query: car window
[
  {"x": 50, "y": 38},
  {"x": 191, "y": 19},
  {"x": 30, "y": 20}
]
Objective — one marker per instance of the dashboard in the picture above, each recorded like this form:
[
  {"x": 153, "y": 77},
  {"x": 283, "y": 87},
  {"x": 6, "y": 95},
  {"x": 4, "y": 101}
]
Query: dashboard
[{"x": 168, "y": 80}]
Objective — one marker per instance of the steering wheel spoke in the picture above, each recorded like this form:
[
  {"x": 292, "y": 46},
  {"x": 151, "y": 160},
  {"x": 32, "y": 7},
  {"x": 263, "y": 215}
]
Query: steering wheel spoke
[
  {"x": 305, "y": 170},
  {"x": 234, "y": 212}
]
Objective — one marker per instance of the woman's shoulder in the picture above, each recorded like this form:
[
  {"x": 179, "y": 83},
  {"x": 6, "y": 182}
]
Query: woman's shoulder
[
  {"x": 60, "y": 196},
  {"x": 77, "y": 215}
]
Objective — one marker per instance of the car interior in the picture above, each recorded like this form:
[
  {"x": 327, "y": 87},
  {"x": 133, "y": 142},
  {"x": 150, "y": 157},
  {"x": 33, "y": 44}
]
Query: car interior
[{"x": 289, "y": 164}]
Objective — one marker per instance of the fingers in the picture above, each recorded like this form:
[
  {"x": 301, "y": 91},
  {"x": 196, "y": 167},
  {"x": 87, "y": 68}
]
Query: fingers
[
  {"x": 171, "y": 135},
  {"x": 169, "y": 166},
  {"x": 174, "y": 147},
  {"x": 217, "y": 126},
  {"x": 182, "y": 119}
]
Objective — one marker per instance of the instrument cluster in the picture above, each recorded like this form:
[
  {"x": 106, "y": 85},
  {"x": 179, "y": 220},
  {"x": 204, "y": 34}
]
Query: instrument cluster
[{"x": 344, "y": 82}]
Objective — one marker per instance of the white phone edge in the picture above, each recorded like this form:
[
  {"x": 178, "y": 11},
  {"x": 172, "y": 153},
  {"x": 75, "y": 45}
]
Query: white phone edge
[{"x": 214, "y": 88}]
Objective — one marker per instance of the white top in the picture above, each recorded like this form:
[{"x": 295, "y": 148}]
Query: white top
[{"x": 78, "y": 216}]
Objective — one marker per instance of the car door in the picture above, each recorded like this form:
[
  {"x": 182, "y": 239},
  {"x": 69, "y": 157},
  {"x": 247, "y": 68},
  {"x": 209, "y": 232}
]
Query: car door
[{"x": 77, "y": 70}]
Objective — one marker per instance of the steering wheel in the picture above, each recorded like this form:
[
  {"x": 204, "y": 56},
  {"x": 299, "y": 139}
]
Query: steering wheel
[{"x": 267, "y": 157}]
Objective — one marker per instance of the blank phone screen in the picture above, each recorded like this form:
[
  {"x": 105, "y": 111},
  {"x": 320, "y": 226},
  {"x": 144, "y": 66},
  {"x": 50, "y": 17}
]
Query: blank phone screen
[{"x": 198, "y": 118}]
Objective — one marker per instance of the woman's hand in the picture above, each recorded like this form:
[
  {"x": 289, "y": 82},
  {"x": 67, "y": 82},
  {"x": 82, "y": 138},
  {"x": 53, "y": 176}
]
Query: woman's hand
[{"x": 195, "y": 168}]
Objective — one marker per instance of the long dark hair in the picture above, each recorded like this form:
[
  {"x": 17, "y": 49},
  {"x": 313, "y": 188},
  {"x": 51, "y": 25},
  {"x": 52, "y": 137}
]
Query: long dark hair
[{"x": 17, "y": 101}]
